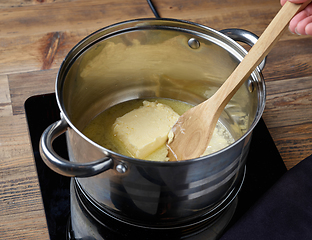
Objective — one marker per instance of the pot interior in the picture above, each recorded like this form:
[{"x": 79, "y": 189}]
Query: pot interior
[{"x": 150, "y": 59}]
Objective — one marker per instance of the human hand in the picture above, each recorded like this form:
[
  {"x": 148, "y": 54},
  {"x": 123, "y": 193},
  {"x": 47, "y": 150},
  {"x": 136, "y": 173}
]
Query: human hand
[{"x": 301, "y": 23}]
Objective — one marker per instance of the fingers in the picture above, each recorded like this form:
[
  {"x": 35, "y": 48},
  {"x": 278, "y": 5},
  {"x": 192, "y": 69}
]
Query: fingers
[
  {"x": 304, "y": 27},
  {"x": 302, "y": 22},
  {"x": 308, "y": 29}
]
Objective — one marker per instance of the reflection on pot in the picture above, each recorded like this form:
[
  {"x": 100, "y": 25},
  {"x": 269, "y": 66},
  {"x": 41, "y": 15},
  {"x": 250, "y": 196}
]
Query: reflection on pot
[{"x": 143, "y": 59}]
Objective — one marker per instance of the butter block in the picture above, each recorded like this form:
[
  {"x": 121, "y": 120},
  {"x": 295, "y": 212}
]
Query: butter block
[{"x": 145, "y": 129}]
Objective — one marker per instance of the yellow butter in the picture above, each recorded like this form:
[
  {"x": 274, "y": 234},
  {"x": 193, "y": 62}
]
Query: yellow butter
[{"x": 145, "y": 129}]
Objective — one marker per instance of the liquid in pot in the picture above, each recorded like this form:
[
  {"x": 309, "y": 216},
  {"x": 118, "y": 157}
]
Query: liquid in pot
[{"x": 101, "y": 129}]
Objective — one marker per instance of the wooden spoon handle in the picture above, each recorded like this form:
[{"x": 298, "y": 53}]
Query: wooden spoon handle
[
  {"x": 194, "y": 129},
  {"x": 257, "y": 53}
]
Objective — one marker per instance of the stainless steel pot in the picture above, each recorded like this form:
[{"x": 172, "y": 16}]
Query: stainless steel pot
[{"x": 150, "y": 58}]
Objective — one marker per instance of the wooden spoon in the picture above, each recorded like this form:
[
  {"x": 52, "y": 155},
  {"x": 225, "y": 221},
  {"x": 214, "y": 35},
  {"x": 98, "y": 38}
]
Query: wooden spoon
[{"x": 194, "y": 129}]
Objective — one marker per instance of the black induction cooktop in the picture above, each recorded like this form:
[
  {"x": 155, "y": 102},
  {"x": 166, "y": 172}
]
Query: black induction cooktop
[{"x": 264, "y": 166}]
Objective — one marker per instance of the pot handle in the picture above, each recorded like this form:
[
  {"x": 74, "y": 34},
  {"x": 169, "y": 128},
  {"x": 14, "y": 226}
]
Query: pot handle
[
  {"x": 63, "y": 166},
  {"x": 244, "y": 36}
]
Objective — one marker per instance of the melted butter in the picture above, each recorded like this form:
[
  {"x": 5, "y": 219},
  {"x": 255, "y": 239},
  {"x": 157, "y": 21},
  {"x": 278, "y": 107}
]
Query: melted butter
[{"x": 101, "y": 129}]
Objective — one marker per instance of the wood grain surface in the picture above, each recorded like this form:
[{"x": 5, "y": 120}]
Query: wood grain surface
[{"x": 35, "y": 36}]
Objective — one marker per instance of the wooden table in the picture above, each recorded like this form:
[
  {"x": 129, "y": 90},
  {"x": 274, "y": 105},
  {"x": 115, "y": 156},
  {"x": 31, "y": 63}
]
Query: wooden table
[{"x": 35, "y": 36}]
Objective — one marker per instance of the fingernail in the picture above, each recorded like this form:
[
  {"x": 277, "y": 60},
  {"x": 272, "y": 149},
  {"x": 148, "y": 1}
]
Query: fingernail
[
  {"x": 290, "y": 31},
  {"x": 297, "y": 32}
]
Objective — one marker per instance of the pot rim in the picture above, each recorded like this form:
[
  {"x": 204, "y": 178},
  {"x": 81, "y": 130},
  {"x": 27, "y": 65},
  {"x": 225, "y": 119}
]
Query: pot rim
[{"x": 76, "y": 52}]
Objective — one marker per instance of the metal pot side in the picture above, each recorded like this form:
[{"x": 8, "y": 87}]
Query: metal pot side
[{"x": 150, "y": 58}]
